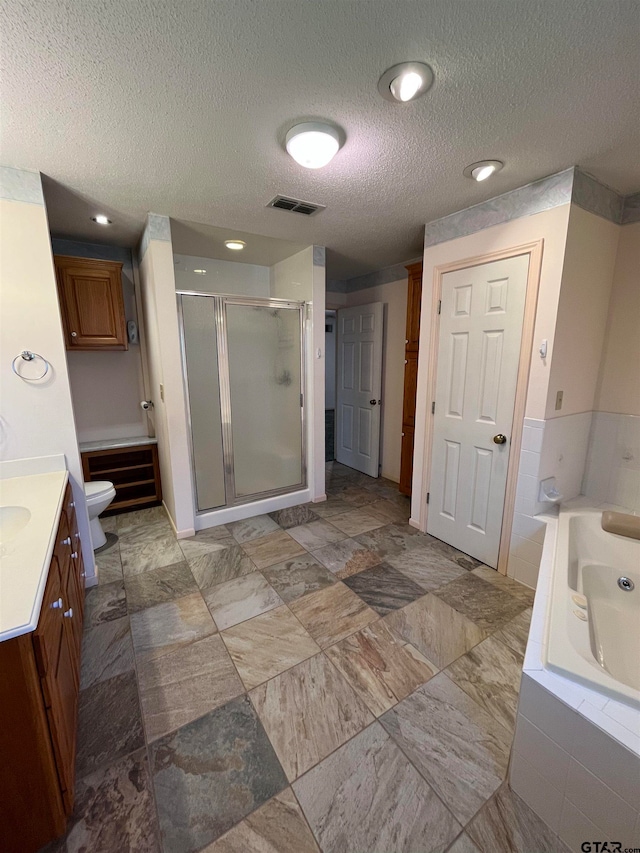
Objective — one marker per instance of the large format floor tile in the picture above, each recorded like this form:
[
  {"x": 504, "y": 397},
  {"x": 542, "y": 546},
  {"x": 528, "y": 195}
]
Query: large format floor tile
[
  {"x": 161, "y": 629},
  {"x": 346, "y": 558},
  {"x": 268, "y": 644},
  {"x": 109, "y": 723},
  {"x": 384, "y": 588},
  {"x": 518, "y": 590},
  {"x": 451, "y": 553},
  {"x": 104, "y": 603},
  {"x": 506, "y": 824},
  {"x": 387, "y": 512},
  {"x": 106, "y": 651},
  {"x": 460, "y": 749},
  {"x": 114, "y": 809},
  {"x": 484, "y": 603},
  {"x": 109, "y": 564},
  {"x": 185, "y": 684},
  {"x": 516, "y": 632},
  {"x": 332, "y": 506},
  {"x": 272, "y": 548},
  {"x": 276, "y": 827},
  {"x": 212, "y": 773},
  {"x": 463, "y": 844},
  {"x": 252, "y": 528},
  {"x": 294, "y": 515},
  {"x": 331, "y": 614},
  {"x": 316, "y": 534},
  {"x": 356, "y": 521},
  {"x": 435, "y": 629},
  {"x": 149, "y": 552},
  {"x": 490, "y": 674},
  {"x": 390, "y": 540},
  {"x": 223, "y": 564},
  {"x": 240, "y": 599},
  {"x": 299, "y": 576},
  {"x": 367, "y": 797},
  {"x": 159, "y": 585},
  {"x": 427, "y": 567},
  {"x": 380, "y": 668},
  {"x": 207, "y": 542},
  {"x": 308, "y": 711}
]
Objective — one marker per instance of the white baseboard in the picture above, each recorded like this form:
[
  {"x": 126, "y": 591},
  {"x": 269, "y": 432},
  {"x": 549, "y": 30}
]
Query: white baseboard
[
  {"x": 238, "y": 513},
  {"x": 414, "y": 523}
]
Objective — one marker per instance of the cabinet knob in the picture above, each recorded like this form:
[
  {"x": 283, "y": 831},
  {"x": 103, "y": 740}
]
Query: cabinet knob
[
  {"x": 406, "y": 340},
  {"x": 74, "y": 334},
  {"x": 83, "y": 574},
  {"x": 72, "y": 504},
  {"x": 57, "y": 604},
  {"x": 74, "y": 554},
  {"x": 68, "y": 613},
  {"x": 67, "y": 541}
]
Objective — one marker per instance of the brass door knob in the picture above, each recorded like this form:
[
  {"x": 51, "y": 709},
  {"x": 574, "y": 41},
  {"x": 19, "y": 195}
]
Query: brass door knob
[{"x": 499, "y": 438}]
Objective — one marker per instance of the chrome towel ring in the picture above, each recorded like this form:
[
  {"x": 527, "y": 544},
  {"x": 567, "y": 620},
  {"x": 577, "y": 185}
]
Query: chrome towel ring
[{"x": 27, "y": 355}]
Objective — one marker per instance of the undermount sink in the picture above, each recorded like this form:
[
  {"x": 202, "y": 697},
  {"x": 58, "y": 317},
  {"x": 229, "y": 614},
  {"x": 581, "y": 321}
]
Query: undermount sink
[{"x": 13, "y": 519}]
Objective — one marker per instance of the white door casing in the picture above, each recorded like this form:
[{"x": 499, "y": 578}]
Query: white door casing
[
  {"x": 481, "y": 320},
  {"x": 359, "y": 385}
]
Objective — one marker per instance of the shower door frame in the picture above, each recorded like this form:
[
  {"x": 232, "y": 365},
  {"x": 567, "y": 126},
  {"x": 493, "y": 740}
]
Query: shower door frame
[{"x": 221, "y": 300}]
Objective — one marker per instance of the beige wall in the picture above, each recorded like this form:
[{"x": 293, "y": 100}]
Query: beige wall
[
  {"x": 551, "y": 226},
  {"x": 618, "y": 388},
  {"x": 587, "y": 276},
  {"x": 37, "y": 417},
  {"x": 394, "y": 297}
]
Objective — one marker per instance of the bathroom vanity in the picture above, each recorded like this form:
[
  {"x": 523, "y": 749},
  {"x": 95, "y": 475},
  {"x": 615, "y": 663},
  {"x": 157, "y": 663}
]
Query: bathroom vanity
[{"x": 41, "y": 614}]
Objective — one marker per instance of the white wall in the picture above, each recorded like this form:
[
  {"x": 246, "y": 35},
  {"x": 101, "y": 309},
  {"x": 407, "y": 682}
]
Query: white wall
[
  {"x": 394, "y": 297},
  {"x": 618, "y": 387},
  {"x": 587, "y": 276},
  {"x": 165, "y": 369},
  {"x": 107, "y": 387},
  {"x": 37, "y": 417},
  {"x": 225, "y": 277}
]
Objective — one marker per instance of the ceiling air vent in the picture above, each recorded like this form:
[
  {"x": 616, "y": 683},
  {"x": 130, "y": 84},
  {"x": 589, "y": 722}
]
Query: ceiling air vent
[{"x": 307, "y": 208}]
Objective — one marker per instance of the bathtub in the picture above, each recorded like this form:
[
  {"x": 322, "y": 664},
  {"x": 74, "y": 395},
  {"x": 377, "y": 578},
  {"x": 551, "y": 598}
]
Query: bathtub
[{"x": 592, "y": 632}]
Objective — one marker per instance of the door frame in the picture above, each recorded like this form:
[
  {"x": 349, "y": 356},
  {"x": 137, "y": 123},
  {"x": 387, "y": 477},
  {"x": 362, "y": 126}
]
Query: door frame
[{"x": 534, "y": 250}]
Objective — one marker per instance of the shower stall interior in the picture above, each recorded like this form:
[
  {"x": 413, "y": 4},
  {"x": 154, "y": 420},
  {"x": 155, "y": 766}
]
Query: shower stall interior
[{"x": 243, "y": 361}]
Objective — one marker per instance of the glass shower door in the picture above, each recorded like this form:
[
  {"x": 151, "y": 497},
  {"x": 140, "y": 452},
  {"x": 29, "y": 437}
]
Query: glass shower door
[{"x": 264, "y": 346}]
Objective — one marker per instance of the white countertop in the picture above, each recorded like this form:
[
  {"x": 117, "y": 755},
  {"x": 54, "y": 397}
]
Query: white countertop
[
  {"x": 25, "y": 559},
  {"x": 114, "y": 443}
]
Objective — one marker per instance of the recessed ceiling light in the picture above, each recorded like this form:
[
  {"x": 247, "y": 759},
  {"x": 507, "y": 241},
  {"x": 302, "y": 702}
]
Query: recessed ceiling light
[
  {"x": 101, "y": 219},
  {"x": 405, "y": 82},
  {"x": 200, "y": 272},
  {"x": 313, "y": 144},
  {"x": 482, "y": 170},
  {"x": 236, "y": 245}
]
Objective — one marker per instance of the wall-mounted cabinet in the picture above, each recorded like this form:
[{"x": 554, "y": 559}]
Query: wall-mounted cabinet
[
  {"x": 90, "y": 293},
  {"x": 414, "y": 300}
]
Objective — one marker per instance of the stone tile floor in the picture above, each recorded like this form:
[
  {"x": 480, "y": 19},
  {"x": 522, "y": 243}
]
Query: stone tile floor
[{"x": 324, "y": 678}]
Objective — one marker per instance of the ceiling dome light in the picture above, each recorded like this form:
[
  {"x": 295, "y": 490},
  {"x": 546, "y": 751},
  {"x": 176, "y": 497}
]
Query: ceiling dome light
[
  {"x": 101, "y": 219},
  {"x": 405, "y": 82},
  {"x": 236, "y": 245},
  {"x": 483, "y": 170},
  {"x": 313, "y": 144}
]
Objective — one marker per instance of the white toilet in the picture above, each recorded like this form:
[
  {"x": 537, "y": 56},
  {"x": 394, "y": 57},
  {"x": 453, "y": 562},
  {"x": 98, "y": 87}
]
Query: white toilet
[{"x": 99, "y": 494}]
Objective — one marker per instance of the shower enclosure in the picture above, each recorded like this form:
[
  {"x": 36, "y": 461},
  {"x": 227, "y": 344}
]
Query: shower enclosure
[{"x": 243, "y": 361}]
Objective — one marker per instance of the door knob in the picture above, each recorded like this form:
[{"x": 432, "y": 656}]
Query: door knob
[
  {"x": 373, "y": 402},
  {"x": 499, "y": 438}
]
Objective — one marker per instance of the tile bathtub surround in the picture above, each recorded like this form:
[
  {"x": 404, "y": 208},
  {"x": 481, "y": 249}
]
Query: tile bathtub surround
[
  {"x": 212, "y": 773},
  {"x": 368, "y": 797},
  {"x": 612, "y": 472},
  {"x": 308, "y": 712}
]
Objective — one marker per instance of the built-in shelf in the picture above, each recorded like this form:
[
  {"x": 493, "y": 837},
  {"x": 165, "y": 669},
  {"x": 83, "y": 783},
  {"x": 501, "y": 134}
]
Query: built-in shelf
[{"x": 133, "y": 470}]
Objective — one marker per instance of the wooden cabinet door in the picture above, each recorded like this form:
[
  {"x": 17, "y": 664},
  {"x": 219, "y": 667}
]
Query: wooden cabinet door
[
  {"x": 91, "y": 303},
  {"x": 406, "y": 461},
  {"x": 414, "y": 302},
  {"x": 410, "y": 389},
  {"x": 55, "y": 654}
]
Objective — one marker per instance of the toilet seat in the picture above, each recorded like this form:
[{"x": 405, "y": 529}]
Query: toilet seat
[{"x": 97, "y": 490}]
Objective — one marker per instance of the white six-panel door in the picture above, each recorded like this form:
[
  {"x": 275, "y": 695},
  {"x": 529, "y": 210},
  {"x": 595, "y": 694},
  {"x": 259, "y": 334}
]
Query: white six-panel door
[
  {"x": 358, "y": 391},
  {"x": 478, "y": 352}
]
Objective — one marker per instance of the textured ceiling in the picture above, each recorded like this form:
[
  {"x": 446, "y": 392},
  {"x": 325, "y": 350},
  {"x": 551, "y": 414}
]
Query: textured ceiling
[{"x": 181, "y": 108}]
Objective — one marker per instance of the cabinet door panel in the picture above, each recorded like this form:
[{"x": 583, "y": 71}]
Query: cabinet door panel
[
  {"x": 406, "y": 461},
  {"x": 410, "y": 388},
  {"x": 91, "y": 303},
  {"x": 62, "y": 716},
  {"x": 414, "y": 301}
]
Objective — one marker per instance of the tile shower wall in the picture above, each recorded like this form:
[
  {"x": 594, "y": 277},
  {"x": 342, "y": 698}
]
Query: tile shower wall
[
  {"x": 612, "y": 472},
  {"x": 552, "y": 448}
]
